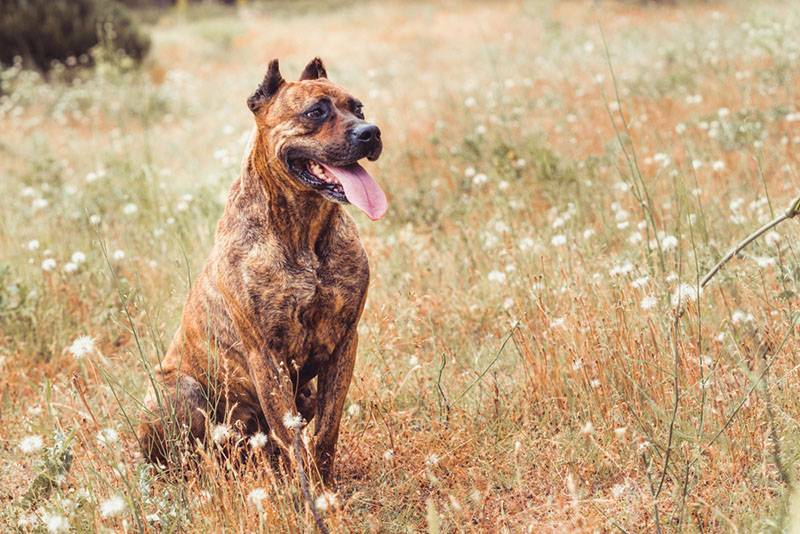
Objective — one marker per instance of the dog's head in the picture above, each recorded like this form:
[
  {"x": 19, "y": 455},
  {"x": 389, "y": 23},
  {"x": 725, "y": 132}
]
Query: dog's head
[{"x": 314, "y": 133}]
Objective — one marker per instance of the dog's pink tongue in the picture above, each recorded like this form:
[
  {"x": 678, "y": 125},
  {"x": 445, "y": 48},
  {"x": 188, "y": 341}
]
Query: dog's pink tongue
[{"x": 361, "y": 189}]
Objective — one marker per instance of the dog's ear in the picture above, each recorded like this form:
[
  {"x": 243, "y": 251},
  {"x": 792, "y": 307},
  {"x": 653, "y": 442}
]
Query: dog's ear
[
  {"x": 314, "y": 70},
  {"x": 269, "y": 86}
]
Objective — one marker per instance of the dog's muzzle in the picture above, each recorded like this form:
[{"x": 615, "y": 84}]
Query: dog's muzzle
[{"x": 366, "y": 139}]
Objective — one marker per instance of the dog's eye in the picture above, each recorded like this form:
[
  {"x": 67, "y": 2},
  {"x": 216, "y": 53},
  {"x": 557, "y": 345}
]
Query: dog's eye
[
  {"x": 358, "y": 111},
  {"x": 317, "y": 113}
]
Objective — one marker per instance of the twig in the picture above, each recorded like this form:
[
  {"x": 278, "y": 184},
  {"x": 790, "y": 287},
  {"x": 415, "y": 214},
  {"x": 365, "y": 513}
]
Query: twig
[
  {"x": 443, "y": 397},
  {"x": 76, "y": 383},
  {"x": 792, "y": 211},
  {"x": 301, "y": 472}
]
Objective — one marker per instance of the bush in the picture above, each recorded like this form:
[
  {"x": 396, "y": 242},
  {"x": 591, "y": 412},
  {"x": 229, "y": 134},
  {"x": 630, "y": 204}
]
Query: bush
[{"x": 41, "y": 31}]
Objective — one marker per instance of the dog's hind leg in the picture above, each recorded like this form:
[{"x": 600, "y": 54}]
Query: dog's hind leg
[{"x": 174, "y": 419}]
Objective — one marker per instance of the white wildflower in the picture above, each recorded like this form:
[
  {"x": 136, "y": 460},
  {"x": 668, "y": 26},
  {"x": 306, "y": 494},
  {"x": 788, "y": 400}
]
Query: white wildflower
[
  {"x": 256, "y": 498},
  {"x": 107, "y": 436},
  {"x": 220, "y": 433},
  {"x": 130, "y": 208},
  {"x": 112, "y": 506},
  {"x": 558, "y": 322},
  {"x": 559, "y": 240},
  {"x": 684, "y": 293},
  {"x": 81, "y": 347},
  {"x": 31, "y": 444},
  {"x": 33, "y": 244},
  {"x": 292, "y": 420},
  {"x": 480, "y": 179},
  {"x": 432, "y": 459},
  {"x": 587, "y": 428},
  {"x": 621, "y": 270},
  {"x": 764, "y": 261},
  {"x": 648, "y": 302},
  {"x": 669, "y": 242},
  {"x": 55, "y": 523},
  {"x": 497, "y": 276},
  {"x": 258, "y": 440},
  {"x": 48, "y": 264},
  {"x": 388, "y": 455},
  {"x": 526, "y": 243},
  {"x": 118, "y": 255},
  {"x": 325, "y": 501},
  {"x": 718, "y": 165},
  {"x": 70, "y": 267},
  {"x": 772, "y": 238},
  {"x": 354, "y": 410}
]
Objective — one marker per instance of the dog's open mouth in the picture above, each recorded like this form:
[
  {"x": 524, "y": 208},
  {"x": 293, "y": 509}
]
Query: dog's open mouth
[{"x": 349, "y": 183}]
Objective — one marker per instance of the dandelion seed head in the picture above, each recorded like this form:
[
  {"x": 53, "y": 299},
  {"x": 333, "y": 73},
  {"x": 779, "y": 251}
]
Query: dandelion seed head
[
  {"x": 256, "y": 498},
  {"x": 258, "y": 440},
  {"x": 498, "y": 277},
  {"x": 31, "y": 444},
  {"x": 648, "y": 302},
  {"x": 55, "y": 523},
  {"x": 325, "y": 501},
  {"x": 107, "y": 436},
  {"x": 112, "y": 506},
  {"x": 220, "y": 433},
  {"x": 291, "y": 420},
  {"x": 683, "y": 294},
  {"x": 81, "y": 347}
]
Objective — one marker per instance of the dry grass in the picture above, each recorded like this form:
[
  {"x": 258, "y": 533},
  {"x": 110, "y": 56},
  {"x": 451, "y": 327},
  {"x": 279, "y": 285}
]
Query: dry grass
[{"x": 518, "y": 355}]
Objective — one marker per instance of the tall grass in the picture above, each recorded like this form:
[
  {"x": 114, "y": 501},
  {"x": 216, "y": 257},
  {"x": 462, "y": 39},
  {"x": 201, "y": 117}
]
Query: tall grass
[{"x": 555, "y": 197}]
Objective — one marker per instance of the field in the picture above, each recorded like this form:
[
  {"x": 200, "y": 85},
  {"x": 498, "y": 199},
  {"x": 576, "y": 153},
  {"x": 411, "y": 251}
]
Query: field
[{"x": 560, "y": 176}]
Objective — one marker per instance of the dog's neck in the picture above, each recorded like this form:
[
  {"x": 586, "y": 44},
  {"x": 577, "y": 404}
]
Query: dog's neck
[{"x": 269, "y": 201}]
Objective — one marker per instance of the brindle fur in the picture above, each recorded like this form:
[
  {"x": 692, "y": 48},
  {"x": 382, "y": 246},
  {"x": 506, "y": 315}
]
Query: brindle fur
[{"x": 279, "y": 299}]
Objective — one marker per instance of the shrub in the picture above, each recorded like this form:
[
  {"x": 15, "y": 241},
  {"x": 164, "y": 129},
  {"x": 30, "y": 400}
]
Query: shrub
[{"x": 41, "y": 31}]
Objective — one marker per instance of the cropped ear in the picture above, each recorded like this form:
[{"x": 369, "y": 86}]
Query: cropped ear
[
  {"x": 314, "y": 70},
  {"x": 269, "y": 86}
]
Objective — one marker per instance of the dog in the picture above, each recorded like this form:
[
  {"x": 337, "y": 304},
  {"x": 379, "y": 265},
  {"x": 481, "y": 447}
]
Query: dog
[{"x": 277, "y": 304}]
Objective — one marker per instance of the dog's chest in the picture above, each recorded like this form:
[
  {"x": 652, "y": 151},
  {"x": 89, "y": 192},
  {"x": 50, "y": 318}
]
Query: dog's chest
[{"x": 315, "y": 304}]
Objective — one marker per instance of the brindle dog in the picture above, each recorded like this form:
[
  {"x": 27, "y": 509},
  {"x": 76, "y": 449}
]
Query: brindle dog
[{"x": 278, "y": 301}]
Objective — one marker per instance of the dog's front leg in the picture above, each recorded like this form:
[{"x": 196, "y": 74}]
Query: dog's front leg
[
  {"x": 332, "y": 385},
  {"x": 275, "y": 393}
]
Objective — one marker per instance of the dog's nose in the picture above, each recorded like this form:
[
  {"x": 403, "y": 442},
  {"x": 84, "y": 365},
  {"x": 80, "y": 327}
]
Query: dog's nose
[{"x": 365, "y": 133}]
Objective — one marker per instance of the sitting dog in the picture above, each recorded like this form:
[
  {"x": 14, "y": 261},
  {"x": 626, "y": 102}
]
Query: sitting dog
[{"x": 278, "y": 302}]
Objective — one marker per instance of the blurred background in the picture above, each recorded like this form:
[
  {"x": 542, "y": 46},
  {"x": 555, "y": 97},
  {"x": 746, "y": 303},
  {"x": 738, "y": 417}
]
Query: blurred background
[{"x": 560, "y": 174}]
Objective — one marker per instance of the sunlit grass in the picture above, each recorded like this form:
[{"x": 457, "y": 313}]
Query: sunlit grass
[{"x": 518, "y": 359}]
